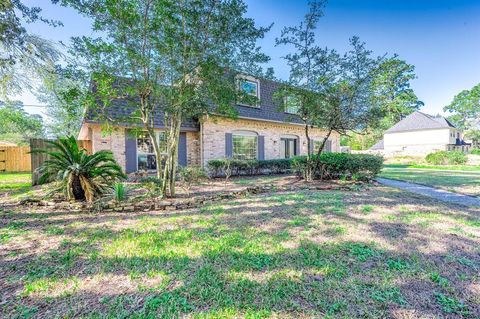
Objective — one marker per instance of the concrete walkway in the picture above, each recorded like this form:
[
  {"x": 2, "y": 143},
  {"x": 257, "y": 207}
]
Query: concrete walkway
[{"x": 431, "y": 192}]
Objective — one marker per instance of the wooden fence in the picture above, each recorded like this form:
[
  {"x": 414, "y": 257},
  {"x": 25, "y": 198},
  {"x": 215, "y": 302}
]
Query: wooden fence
[
  {"x": 37, "y": 159},
  {"x": 15, "y": 159}
]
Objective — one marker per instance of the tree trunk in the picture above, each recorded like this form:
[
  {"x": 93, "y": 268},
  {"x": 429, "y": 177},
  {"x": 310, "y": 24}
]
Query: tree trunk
[
  {"x": 316, "y": 161},
  {"x": 170, "y": 170},
  {"x": 156, "y": 149},
  {"x": 148, "y": 125},
  {"x": 308, "y": 174},
  {"x": 77, "y": 190}
]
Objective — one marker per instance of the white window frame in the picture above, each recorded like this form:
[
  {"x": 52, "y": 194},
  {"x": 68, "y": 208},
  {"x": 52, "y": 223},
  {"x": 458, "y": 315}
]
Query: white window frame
[
  {"x": 157, "y": 135},
  {"x": 251, "y": 79},
  {"x": 245, "y": 134}
]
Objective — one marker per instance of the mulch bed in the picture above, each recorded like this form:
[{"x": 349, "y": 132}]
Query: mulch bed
[{"x": 212, "y": 191}]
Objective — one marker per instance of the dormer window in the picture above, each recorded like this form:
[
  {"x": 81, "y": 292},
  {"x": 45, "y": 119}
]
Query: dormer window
[
  {"x": 291, "y": 105},
  {"x": 250, "y": 88}
]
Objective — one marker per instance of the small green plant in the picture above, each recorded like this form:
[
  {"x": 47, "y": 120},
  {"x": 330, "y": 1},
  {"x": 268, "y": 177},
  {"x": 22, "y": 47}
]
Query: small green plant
[
  {"x": 191, "y": 175},
  {"x": 391, "y": 294},
  {"x": 336, "y": 231},
  {"x": 153, "y": 185},
  {"x": 438, "y": 279},
  {"x": 119, "y": 192},
  {"x": 361, "y": 251},
  {"x": 397, "y": 264},
  {"x": 450, "y": 304},
  {"x": 366, "y": 209}
]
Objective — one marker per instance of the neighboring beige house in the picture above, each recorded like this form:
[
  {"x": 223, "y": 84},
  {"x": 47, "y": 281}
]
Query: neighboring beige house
[
  {"x": 262, "y": 131},
  {"x": 420, "y": 134}
]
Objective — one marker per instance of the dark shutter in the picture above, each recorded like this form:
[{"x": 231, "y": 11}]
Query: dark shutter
[
  {"x": 328, "y": 146},
  {"x": 311, "y": 145},
  {"x": 228, "y": 145},
  {"x": 182, "y": 149},
  {"x": 130, "y": 151},
  {"x": 297, "y": 147},
  {"x": 261, "y": 147}
]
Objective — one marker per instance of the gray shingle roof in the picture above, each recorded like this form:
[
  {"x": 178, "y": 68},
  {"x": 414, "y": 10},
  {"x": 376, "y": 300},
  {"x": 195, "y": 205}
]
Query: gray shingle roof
[
  {"x": 378, "y": 146},
  {"x": 420, "y": 121},
  {"x": 120, "y": 110}
]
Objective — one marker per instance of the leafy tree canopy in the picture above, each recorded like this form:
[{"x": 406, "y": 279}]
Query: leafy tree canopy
[
  {"x": 23, "y": 54},
  {"x": 393, "y": 94},
  {"x": 16, "y": 125},
  {"x": 465, "y": 110},
  {"x": 64, "y": 91},
  {"x": 176, "y": 55}
]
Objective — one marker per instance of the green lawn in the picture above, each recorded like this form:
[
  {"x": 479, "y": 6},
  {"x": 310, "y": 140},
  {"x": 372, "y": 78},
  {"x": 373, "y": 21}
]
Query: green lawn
[
  {"x": 460, "y": 181},
  {"x": 374, "y": 253},
  {"x": 15, "y": 182},
  {"x": 436, "y": 167}
]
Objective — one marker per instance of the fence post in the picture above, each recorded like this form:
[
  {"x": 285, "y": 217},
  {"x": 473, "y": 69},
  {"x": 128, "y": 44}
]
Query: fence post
[{"x": 37, "y": 158}]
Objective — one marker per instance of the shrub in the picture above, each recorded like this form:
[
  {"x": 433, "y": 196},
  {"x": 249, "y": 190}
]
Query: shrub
[
  {"x": 457, "y": 158},
  {"x": 153, "y": 185},
  {"x": 343, "y": 165},
  {"x": 219, "y": 167},
  {"x": 333, "y": 165},
  {"x": 475, "y": 151},
  {"x": 119, "y": 192},
  {"x": 190, "y": 175},
  {"x": 446, "y": 158},
  {"x": 80, "y": 176}
]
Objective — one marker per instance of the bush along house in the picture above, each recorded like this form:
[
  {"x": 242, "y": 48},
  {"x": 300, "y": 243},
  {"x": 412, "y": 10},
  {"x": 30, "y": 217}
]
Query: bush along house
[{"x": 261, "y": 131}]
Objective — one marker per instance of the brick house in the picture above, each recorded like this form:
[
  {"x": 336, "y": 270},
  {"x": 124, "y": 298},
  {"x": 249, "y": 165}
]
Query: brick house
[{"x": 261, "y": 131}]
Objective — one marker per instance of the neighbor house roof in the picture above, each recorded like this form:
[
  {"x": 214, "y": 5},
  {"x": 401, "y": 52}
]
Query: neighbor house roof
[
  {"x": 378, "y": 146},
  {"x": 420, "y": 121}
]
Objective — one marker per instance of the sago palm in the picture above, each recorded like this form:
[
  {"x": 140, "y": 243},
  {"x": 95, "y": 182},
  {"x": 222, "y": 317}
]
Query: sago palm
[{"x": 80, "y": 175}]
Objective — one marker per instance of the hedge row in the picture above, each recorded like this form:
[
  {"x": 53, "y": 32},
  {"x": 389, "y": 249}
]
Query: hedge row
[
  {"x": 333, "y": 165},
  {"x": 216, "y": 168},
  {"x": 446, "y": 158}
]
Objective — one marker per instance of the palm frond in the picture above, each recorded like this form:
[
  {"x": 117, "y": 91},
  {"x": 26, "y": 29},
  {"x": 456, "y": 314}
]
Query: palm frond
[{"x": 69, "y": 164}]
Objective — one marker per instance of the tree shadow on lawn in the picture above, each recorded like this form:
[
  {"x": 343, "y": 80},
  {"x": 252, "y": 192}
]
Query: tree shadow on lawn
[
  {"x": 250, "y": 211},
  {"x": 346, "y": 279},
  {"x": 223, "y": 261}
]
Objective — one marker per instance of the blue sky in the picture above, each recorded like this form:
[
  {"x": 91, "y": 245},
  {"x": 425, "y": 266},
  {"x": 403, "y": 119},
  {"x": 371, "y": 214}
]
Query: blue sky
[{"x": 441, "y": 38}]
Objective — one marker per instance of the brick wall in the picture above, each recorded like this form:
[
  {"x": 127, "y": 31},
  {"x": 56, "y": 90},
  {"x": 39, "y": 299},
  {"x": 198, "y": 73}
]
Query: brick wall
[
  {"x": 193, "y": 148},
  {"x": 114, "y": 141},
  {"x": 213, "y": 143},
  {"x": 214, "y": 129}
]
